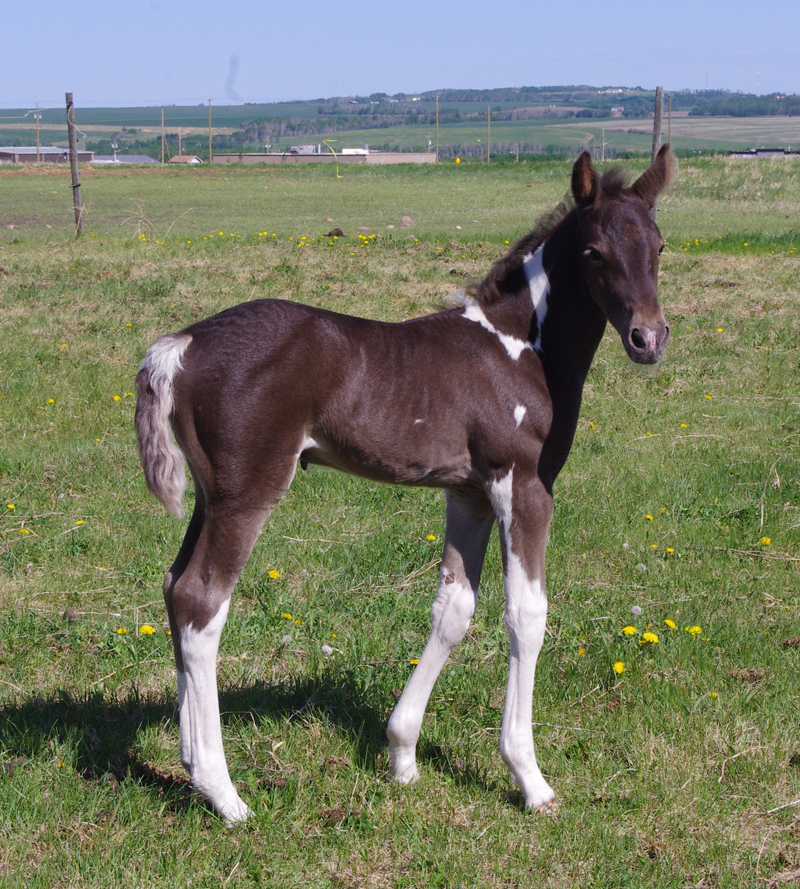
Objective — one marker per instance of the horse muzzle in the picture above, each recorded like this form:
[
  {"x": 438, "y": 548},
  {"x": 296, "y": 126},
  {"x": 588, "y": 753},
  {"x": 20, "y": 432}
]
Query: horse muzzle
[{"x": 645, "y": 344}]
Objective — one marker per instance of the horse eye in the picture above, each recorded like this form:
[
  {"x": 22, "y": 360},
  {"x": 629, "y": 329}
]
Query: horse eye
[{"x": 594, "y": 256}]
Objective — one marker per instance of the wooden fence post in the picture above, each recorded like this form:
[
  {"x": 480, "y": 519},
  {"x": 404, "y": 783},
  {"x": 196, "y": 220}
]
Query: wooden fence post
[
  {"x": 73, "y": 163},
  {"x": 657, "y": 135}
]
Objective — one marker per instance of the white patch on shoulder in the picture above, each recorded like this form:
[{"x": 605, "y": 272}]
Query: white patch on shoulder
[
  {"x": 500, "y": 494},
  {"x": 512, "y": 344},
  {"x": 539, "y": 285},
  {"x": 519, "y": 412},
  {"x": 418, "y": 421}
]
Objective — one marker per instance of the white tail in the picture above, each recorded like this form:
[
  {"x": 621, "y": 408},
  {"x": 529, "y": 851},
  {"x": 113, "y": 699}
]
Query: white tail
[{"x": 161, "y": 460}]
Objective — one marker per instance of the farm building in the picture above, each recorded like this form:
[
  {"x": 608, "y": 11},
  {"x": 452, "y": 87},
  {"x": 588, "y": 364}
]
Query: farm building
[
  {"x": 186, "y": 159},
  {"x": 764, "y": 152},
  {"x": 26, "y": 154},
  {"x": 343, "y": 157},
  {"x": 123, "y": 159}
]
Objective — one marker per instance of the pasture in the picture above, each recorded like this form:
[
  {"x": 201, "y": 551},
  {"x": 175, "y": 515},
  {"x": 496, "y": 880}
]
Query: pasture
[{"x": 681, "y": 498}]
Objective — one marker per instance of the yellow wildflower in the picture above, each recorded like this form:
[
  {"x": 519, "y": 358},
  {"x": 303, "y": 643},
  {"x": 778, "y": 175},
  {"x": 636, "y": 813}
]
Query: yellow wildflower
[
  {"x": 274, "y": 575},
  {"x": 694, "y": 631},
  {"x": 618, "y": 668},
  {"x": 766, "y": 541},
  {"x": 649, "y": 637},
  {"x": 121, "y": 631},
  {"x": 287, "y": 616},
  {"x": 670, "y": 623},
  {"x": 146, "y": 630},
  {"x": 431, "y": 537},
  {"x": 629, "y": 630}
]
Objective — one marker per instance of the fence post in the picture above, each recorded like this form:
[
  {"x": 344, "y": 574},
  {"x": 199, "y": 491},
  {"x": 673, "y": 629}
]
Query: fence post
[
  {"x": 659, "y": 110},
  {"x": 73, "y": 163}
]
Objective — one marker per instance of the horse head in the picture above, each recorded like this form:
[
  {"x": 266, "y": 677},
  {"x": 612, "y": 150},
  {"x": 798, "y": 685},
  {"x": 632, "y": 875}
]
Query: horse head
[{"x": 620, "y": 245}]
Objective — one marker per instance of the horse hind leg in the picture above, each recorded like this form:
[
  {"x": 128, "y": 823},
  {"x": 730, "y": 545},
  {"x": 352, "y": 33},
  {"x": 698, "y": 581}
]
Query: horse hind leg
[
  {"x": 198, "y": 588},
  {"x": 469, "y": 525}
]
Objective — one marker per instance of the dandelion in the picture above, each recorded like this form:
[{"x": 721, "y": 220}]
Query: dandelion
[
  {"x": 51, "y": 401},
  {"x": 694, "y": 631},
  {"x": 413, "y": 661},
  {"x": 581, "y": 652},
  {"x": 670, "y": 549},
  {"x": 629, "y": 630},
  {"x": 121, "y": 631},
  {"x": 286, "y": 640},
  {"x": 684, "y": 426},
  {"x": 712, "y": 694},
  {"x": 273, "y": 574},
  {"x": 297, "y": 622},
  {"x": 431, "y": 537},
  {"x": 618, "y": 667},
  {"x": 766, "y": 541},
  {"x": 670, "y": 623},
  {"x": 458, "y": 160},
  {"x": 650, "y": 637},
  {"x": 79, "y": 522},
  {"x": 10, "y": 506},
  {"x": 708, "y": 397},
  {"x": 287, "y": 616},
  {"x": 146, "y": 630},
  {"x": 117, "y": 398},
  {"x": 326, "y": 650},
  {"x": 649, "y": 517},
  {"x": 636, "y": 610}
]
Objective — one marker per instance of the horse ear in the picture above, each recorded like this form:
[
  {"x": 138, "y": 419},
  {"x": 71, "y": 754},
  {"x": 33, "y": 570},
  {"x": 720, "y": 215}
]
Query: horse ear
[
  {"x": 656, "y": 177},
  {"x": 585, "y": 181}
]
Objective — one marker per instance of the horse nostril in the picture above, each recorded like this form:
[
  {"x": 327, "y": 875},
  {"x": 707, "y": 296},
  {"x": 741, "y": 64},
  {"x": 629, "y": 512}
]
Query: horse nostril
[{"x": 637, "y": 339}]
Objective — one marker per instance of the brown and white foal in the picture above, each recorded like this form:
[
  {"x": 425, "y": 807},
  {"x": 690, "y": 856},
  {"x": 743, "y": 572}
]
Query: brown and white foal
[{"x": 481, "y": 400}]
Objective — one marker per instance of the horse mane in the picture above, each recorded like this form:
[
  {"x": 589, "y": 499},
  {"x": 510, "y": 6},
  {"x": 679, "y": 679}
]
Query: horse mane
[{"x": 491, "y": 289}]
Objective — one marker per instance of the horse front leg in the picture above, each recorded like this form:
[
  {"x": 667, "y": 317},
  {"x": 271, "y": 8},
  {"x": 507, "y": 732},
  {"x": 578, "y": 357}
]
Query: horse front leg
[
  {"x": 469, "y": 523},
  {"x": 523, "y": 509}
]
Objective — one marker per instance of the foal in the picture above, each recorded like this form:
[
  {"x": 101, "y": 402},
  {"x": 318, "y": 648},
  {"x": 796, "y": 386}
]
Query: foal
[{"x": 481, "y": 400}]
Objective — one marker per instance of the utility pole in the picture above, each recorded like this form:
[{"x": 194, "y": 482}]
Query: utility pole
[
  {"x": 180, "y": 147},
  {"x": 162, "y": 135},
  {"x": 210, "y": 155},
  {"x": 37, "y": 132},
  {"x": 73, "y": 163},
  {"x": 659, "y": 110},
  {"x": 437, "y": 128},
  {"x": 488, "y": 133}
]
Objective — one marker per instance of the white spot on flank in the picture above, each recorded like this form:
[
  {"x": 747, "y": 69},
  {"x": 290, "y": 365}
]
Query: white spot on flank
[
  {"x": 513, "y": 345},
  {"x": 500, "y": 492},
  {"x": 519, "y": 413},
  {"x": 418, "y": 421},
  {"x": 539, "y": 285}
]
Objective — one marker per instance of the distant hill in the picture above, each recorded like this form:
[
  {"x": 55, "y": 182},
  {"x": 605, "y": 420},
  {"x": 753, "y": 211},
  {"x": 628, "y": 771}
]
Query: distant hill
[{"x": 252, "y": 127}]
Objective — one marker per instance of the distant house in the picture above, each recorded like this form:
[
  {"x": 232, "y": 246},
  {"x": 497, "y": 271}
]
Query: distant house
[
  {"x": 27, "y": 154},
  {"x": 123, "y": 159},
  {"x": 186, "y": 159},
  {"x": 764, "y": 152}
]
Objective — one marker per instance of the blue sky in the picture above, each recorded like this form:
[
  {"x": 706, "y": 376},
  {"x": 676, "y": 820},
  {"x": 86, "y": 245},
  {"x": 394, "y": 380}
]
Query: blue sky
[{"x": 155, "y": 52}]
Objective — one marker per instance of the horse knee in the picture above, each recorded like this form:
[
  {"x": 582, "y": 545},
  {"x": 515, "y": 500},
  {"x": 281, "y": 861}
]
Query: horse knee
[{"x": 452, "y": 611}]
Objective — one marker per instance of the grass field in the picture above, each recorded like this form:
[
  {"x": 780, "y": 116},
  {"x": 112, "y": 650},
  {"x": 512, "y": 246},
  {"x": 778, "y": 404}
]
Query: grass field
[{"x": 681, "y": 497}]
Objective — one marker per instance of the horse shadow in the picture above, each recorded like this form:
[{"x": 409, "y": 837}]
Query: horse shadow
[{"x": 104, "y": 732}]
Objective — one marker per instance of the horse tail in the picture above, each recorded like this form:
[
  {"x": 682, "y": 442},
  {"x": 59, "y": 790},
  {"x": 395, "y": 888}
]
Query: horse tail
[{"x": 162, "y": 461}]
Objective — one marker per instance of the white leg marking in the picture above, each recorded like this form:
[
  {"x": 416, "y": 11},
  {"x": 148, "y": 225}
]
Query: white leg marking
[
  {"x": 519, "y": 412},
  {"x": 512, "y": 344},
  {"x": 539, "y": 285},
  {"x": 198, "y": 708},
  {"x": 452, "y": 611},
  {"x": 525, "y": 620}
]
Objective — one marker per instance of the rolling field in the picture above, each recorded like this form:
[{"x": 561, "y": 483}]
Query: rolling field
[
  {"x": 681, "y": 497},
  {"x": 622, "y": 135}
]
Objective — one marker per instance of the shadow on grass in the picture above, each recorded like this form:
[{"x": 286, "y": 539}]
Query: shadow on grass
[{"x": 103, "y": 731}]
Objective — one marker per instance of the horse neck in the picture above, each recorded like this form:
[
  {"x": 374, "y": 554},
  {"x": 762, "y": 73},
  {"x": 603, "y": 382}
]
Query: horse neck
[{"x": 574, "y": 323}]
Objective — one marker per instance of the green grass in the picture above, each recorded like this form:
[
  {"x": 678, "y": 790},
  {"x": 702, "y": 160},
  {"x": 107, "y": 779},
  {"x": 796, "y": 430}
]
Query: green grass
[{"x": 668, "y": 774}]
